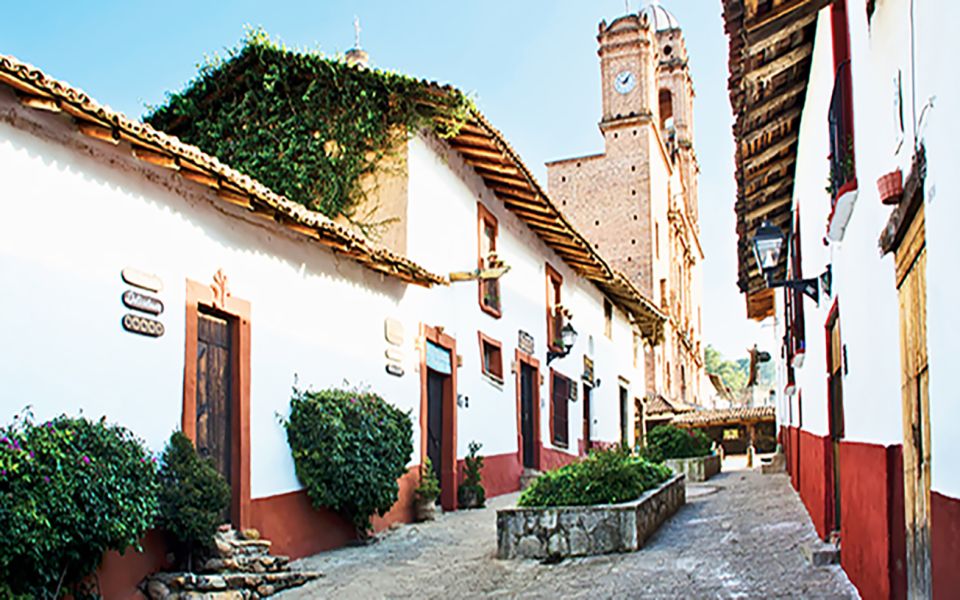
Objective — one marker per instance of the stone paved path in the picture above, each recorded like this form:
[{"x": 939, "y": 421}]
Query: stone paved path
[{"x": 738, "y": 536}]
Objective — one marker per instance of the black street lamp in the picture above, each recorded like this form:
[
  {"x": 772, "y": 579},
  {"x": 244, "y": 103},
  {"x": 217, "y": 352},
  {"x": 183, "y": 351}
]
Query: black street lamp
[
  {"x": 767, "y": 244},
  {"x": 568, "y": 337}
]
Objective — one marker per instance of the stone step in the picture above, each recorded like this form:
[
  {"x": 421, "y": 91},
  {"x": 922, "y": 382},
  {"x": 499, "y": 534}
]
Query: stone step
[
  {"x": 820, "y": 554},
  {"x": 246, "y": 564},
  {"x": 173, "y": 586},
  {"x": 225, "y": 547}
]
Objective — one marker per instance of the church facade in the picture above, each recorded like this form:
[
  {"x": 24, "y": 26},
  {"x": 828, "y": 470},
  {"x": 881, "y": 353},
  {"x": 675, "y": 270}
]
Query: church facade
[{"x": 637, "y": 201}]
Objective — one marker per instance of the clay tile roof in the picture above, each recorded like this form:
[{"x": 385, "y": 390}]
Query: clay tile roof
[
  {"x": 658, "y": 405},
  {"x": 38, "y": 90},
  {"x": 725, "y": 415},
  {"x": 493, "y": 158}
]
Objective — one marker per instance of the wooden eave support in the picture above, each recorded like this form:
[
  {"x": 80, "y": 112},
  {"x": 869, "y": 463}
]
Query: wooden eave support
[
  {"x": 477, "y": 153},
  {"x": 201, "y": 177},
  {"x": 103, "y": 134},
  {"x": 772, "y": 151},
  {"x": 770, "y": 128},
  {"x": 765, "y": 209},
  {"x": 44, "y": 103},
  {"x": 470, "y": 140},
  {"x": 511, "y": 182},
  {"x": 233, "y": 198},
  {"x": 778, "y": 65},
  {"x": 498, "y": 168},
  {"x": 153, "y": 157}
]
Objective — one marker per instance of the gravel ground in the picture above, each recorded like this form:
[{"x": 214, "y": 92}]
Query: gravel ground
[{"x": 738, "y": 536}]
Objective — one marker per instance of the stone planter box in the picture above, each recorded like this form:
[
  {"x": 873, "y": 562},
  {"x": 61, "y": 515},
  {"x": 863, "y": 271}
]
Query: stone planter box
[
  {"x": 585, "y": 530},
  {"x": 696, "y": 469}
]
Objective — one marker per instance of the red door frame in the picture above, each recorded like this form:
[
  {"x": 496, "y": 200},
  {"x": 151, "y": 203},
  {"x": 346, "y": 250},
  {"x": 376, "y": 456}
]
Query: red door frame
[
  {"x": 524, "y": 358},
  {"x": 216, "y": 297},
  {"x": 448, "y": 433}
]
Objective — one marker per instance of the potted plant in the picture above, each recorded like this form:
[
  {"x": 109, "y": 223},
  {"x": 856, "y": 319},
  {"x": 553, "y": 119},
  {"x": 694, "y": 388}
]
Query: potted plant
[
  {"x": 471, "y": 493},
  {"x": 427, "y": 492},
  {"x": 891, "y": 187}
]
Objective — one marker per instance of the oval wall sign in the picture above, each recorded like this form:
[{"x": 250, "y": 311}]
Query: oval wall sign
[
  {"x": 142, "y": 302},
  {"x": 137, "y": 278},
  {"x": 142, "y": 325}
]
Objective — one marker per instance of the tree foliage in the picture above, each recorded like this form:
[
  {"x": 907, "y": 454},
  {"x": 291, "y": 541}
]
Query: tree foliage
[
  {"x": 349, "y": 449},
  {"x": 70, "y": 489},
  {"x": 603, "y": 477},
  {"x": 732, "y": 373},
  {"x": 669, "y": 441},
  {"x": 193, "y": 497},
  {"x": 308, "y": 127}
]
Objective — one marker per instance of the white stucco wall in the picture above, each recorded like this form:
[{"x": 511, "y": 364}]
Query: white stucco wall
[{"x": 76, "y": 214}]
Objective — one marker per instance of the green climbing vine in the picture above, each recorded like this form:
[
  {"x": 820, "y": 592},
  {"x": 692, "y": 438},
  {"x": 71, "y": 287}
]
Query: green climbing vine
[{"x": 306, "y": 126}]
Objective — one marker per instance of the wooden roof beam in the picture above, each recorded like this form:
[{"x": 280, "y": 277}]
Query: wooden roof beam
[{"x": 780, "y": 64}]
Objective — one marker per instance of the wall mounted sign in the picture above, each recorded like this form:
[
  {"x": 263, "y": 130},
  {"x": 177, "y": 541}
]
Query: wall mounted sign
[
  {"x": 395, "y": 369},
  {"x": 142, "y": 325},
  {"x": 438, "y": 359},
  {"x": 393, "y": 331},
  {"x": 142, "y": 302},
  {"x": 137, "y": 278},
  {"x": 393, "y": 355},
  {"x": 588, "y": 369},
  {"x": 525, "y": 342}
]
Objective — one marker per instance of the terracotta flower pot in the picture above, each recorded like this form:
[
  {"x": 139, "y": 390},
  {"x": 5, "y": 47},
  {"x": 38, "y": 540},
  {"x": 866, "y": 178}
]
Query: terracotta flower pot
[
  {"x": 425, "y": 509},
  {"x": 891, "y": 187}
]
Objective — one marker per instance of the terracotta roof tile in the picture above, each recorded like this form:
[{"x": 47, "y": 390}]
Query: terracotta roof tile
[{"x": 722, "y": 416}]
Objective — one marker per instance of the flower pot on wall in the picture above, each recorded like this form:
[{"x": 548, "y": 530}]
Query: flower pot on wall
[{"x": 891, "y": 187}]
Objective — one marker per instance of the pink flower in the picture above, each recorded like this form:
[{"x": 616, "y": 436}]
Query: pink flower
[{"x": 85, "y": 459}]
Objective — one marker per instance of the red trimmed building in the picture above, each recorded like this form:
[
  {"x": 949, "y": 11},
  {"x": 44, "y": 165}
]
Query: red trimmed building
[{"x": 846, "y": 152}]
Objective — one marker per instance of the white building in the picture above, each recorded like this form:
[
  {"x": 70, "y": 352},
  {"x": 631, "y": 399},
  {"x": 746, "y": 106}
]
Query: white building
[
  {"x": 96, "y": 205},
  {"x": 842, "y": 96}
]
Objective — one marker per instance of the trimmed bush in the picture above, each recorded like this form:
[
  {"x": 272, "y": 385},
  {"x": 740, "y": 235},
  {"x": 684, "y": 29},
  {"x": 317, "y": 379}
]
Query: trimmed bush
[
  {"x": 70, "y": 489},
  {"x": 193, "y": 498},
  {"x": 668, "y": 441},
  {"x": 429, "y": 488},
  {"x": 349, "y": 449},
  {"x": 603, "y": 477}
]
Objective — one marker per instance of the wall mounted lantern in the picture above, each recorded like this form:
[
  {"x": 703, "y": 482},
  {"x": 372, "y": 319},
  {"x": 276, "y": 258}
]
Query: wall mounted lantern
[
  {"x": 767, "y": 245},
  {"x": 568, "y": 337}
]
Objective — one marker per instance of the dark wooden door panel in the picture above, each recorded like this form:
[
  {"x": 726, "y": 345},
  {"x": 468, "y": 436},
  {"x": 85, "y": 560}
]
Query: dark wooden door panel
[
  {"x": 526, "y": 412},
  {"x": 214, "y": 392},
  {"x": 435, "y": 421}
]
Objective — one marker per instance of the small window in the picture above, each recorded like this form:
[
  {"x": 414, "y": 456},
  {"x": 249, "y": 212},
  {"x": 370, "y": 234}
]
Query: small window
[
  {"x": 554, "y": 309},
  {"x": 487, "y": 258},
  {"x": 663, "y": 293},
  {"x": 656, "y": 237},
  {"x": 559, "y": 403},
  {"x": 607, "y": 318},
  {"x": 491, "y": 357}
]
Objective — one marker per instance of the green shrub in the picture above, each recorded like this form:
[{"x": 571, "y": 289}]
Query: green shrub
[
  {"x": 471, "y": 492},
  {"x": 429, "y": 488},
  {"x": 603, "y": 477},
  {"x": 70, "y": 489},
  {"x": 349, "y": 449},
  {"x": 668, "y": 441},
  {"x": 193, "y": 497}
]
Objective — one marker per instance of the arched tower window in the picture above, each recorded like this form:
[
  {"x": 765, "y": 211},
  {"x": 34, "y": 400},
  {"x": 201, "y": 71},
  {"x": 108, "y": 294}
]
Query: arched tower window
[{"x": 666, "y": 109}]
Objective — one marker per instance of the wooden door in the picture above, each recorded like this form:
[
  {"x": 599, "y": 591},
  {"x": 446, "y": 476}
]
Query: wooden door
[
  {"x": 214, "y": 393},
  {"x": 560, "y": 398},
  {"x": 526, "y": 415},
  {"x": 587, "y": 416},
  {"x": 624, "y": 416},
  {"x": 911, "y": 258},
  {"x": 435, "y": 383},
  {"x": 835, "y": 401}
]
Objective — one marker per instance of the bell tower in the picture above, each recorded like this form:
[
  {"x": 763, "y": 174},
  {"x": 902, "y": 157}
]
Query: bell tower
[{"x": 627, "y": 50}]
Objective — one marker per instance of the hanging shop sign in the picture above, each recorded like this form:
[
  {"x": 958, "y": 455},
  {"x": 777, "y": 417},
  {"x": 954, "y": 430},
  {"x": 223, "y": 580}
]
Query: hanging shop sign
[
  {"x": 525, "y": 342},
  {"x": 142, "y": 302},
  {"x": 142, "y": 280},
  {"x": 587, "y": 369},
  {"x": 142, "y": 325}
]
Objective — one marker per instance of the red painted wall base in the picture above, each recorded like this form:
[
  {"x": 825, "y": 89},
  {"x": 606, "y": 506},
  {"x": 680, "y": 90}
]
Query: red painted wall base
[
  {"x": 813, "y": 454},
  {"x": 945, "y": 545}
]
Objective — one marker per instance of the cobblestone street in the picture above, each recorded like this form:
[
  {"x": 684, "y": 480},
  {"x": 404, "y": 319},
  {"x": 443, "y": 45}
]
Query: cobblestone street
[{"x": 738, "y": 536}]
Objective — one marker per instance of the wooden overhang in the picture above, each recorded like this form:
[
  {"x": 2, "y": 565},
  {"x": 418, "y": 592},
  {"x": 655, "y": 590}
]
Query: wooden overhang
[
  {"x": 484, "y": 148},
  {"x": 726, "y": 416},
  {"x": 38, "y": 91},
  {"x": 771, "y": 47}
]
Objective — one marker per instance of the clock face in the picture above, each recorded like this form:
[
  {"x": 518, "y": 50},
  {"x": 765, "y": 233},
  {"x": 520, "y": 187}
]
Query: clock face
[{"x": 625, "y": 82}]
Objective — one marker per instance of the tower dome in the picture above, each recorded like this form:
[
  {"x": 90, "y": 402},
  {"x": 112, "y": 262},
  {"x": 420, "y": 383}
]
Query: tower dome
[{"x": 659, "y": 18}]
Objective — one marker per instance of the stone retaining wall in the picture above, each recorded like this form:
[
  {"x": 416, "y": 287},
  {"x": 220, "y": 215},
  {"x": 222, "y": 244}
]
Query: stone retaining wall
[
  {"x": 696, "y": 469},
  {"x": 585, "y": 530}
]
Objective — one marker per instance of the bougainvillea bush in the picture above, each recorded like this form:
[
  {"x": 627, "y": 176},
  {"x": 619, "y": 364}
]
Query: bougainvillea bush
[
  {"x": 307, "y": 126},
  {"x": 70, "y": 489},
  {"x": 669, "y": 441},
  {"x": 603, "y": 477},
  {"x": 349, "y": 447}
]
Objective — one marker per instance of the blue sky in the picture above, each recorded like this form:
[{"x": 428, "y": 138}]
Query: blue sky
[{"x": 531, "y": 65}]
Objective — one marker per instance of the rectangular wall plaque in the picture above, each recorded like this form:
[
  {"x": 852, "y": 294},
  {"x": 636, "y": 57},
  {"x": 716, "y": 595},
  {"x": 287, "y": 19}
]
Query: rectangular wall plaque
[
  {"x": 137, "y": 278},
  {"x": 525, "y": 342},
  {"x": 588, "y": 369},
  {"x": 142, "y": 302},
  {"x": 142, "y": 325}
]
